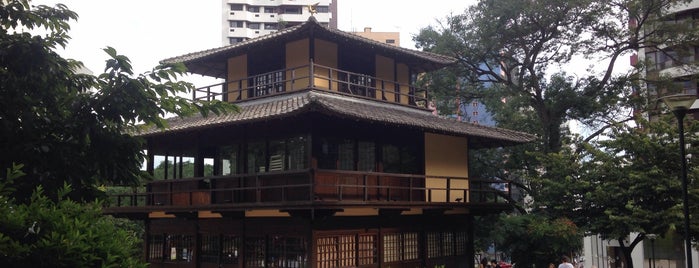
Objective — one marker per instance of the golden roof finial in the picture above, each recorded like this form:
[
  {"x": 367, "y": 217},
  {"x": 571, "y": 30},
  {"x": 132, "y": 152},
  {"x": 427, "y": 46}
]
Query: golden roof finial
[{"x": 313, "y": 9}]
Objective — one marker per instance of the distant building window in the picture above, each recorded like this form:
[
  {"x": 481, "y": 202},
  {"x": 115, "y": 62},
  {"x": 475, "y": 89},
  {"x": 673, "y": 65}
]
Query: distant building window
[
  {"x": 292, "y": 10},
  {"x": 271, "y": 26},
  {"x": 390, "y": 41},
  {"x": 233, "y": 40},
  {"x": 322, "y": 9},
  {"x": 253, "y": 25},
  {"x": 236, "y": 7},
  {"x": 235, "y": 23},
  {"x": 269, "y": 10},
  {"x": 254, "y": 9}
]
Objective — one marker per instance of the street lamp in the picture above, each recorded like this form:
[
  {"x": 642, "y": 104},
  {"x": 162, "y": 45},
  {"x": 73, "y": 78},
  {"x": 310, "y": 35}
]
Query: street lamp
[
  {"x": 652, "y": 237},
  {"x": 680, "y": 105}
]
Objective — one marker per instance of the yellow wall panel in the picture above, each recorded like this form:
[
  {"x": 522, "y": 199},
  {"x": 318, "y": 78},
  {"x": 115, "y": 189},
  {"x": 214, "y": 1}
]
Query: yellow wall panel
[
  {"x": 325, "y": 54},
  {"x": 237, "y": 74},
  {"x": 385, "y": 72},
  {"x": 265, "y": 213},
  {"x": 403, "y": 78},
  {"x": 445, "y": 157},
  {"x": 297, "y": 54}
]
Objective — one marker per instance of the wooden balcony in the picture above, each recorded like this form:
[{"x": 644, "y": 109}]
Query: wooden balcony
[
  {"x": 307, "y": 189},
  {"x": 314, "y": 76}
]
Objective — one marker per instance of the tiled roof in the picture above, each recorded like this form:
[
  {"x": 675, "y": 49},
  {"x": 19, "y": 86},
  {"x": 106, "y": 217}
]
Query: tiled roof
[
  {"x": 212, "y": 61},
  {"x": 339, "y": 105}
]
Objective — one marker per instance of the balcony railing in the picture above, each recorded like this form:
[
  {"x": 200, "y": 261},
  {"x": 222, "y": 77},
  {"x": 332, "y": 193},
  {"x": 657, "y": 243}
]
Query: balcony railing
[
  {"x": 317, "y": 77},
  {"x": 315, "y": 187}
]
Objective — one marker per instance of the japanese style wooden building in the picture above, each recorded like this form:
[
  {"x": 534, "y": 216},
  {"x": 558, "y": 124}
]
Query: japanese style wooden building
[{"x": 333, "y": 161}]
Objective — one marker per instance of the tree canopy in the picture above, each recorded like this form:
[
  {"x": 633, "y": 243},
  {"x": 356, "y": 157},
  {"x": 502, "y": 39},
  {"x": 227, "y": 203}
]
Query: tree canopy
[
  {"x": 522, "y": 60},
  {"x": 65, "y": 126}
]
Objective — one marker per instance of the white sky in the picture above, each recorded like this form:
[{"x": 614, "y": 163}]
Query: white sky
[{"x": 148, "y": 31}]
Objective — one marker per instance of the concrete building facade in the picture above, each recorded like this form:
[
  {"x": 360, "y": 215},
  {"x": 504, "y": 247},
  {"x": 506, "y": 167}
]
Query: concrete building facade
[
  {"x": 247, "y": 19},
  {"x": 656, "y": 250}
]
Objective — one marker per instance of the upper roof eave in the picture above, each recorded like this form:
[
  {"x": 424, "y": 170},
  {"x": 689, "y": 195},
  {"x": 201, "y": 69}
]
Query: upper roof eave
[
  {"x": 347, "y": 107},
  {"x": 211, "y": 62}
]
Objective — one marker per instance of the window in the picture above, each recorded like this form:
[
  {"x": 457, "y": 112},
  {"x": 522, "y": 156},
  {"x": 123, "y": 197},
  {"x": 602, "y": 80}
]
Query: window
[
  {"x": 336, "y": 251},
  {"x": 230, "y": 246},
  {"x": 287, "y": 252},
  {"x": 292, "y": 10},
  {"x": 174, "y": 167},
  {"x": 390, "y": 41},
  {"x": 179, "y": 248},
  {"x": 400, "y": 247},
  {"x": 323, "y": 9},
  {"x": 345, "y": 155},
  {"x": 445, "y": 244},
  {"x": 269, "y": 10},
  {"x": 271, "y": 26},
  {"x": 155, "y": 247},
  {"x": 256, "y": 157},
  {"x": 234, "y": 40},
  {"x": 235, "y": 23},
  {"x": 366, "y": 249},
  {"x": 392, "y": 250},
  {"x": 399, "y": 159},
  {"x": 296, "y": 157},
  {"x": 255, "y": 252},
  {"x": 265, "y": 84},
  {"x": 254, "y": 9},
  {"x": 220, "y": 249},
  {"x": 277, "y": 153},
  {"x": 433, "y": 245},
  {"x": 366, "y": 160},
  {"x": 236, "y": 7},
  {"x": 210, "y": 248},
  {"x": 230, "y": 157},
  {"x": 253, "y": 25}
]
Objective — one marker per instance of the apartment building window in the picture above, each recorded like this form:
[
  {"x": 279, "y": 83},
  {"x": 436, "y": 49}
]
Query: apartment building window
[
  {"x": 271, "y": 26},
  {"x": 292, "y": 10},
  {"x": 236, "y": 7},
  {"x": 269, "y": 10},
  {"x": 233, "y": 40},
  {"x": 323, "y": 9},
  {"x": 254, "y": 25},
  {"x": 254, "y": 9},
  {"x": 390, "y": 41},
  {"x": 235, "y": 23}
]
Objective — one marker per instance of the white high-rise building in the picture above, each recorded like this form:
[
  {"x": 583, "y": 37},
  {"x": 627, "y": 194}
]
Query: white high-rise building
[{"x": 245, "y": 19}]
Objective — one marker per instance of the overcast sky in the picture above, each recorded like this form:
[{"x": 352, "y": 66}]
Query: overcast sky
[{"x": 148, "y": 31}]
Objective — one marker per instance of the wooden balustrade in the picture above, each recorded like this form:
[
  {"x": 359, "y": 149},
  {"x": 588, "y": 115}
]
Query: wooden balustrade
[
  {"x": 317, "y": 77},
  {"x": 314, "y": 186}
]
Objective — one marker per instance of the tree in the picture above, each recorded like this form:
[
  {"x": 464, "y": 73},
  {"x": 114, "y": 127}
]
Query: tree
[
  {"x": 535, "y": 241},
  {"x": 68, "y": 127},
  {"x": 627, "y": 183},
  {"x": 510, "y": 50},
  {"x": 62, "y": 233}
]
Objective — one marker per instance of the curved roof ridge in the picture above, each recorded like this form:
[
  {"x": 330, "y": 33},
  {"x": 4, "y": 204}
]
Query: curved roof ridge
[{"x": 310, "y": 23}]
